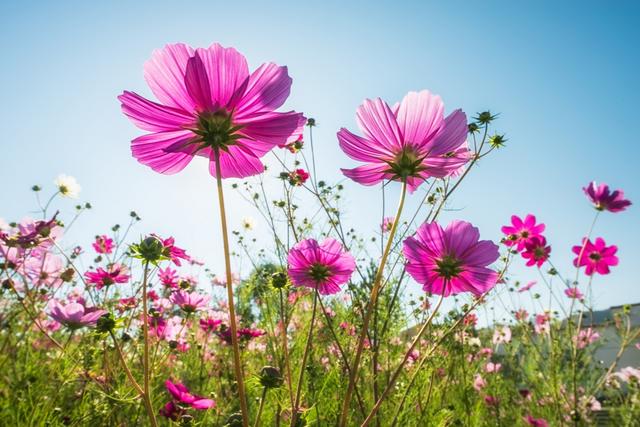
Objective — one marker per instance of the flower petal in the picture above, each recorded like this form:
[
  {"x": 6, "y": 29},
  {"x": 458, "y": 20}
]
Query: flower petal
[
  {"x": 164, "y": 152},
  {"x": 152, "y": 116},
  {"x": 227, "y": 71},
  {"x": 236, "y": 163},
  {"x": 165, "y": 72},
  {"x": 369, "y": 174},
  {"x": 362, "y": 149},
  {"x": 420, "y": 116},
  {"x": 268, "y": 88},
  {"x": 379, "y": 124}
]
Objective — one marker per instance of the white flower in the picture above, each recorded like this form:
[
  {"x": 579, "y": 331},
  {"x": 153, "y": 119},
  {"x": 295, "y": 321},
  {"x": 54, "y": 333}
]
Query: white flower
[
  {"x": 248, "y": 223},
  {"x": 67, "y": 185}
]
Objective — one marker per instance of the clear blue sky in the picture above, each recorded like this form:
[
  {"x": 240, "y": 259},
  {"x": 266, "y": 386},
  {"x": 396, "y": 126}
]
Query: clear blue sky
[{"x": 563, "y": 75}]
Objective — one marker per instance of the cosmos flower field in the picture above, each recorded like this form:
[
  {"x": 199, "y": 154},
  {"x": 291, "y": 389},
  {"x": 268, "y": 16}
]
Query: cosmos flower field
[{"x": 117, "y": 330}]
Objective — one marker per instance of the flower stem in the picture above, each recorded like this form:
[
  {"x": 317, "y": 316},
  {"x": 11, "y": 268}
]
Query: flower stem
[
  {"x": 294, "y": 410},
  {"x": 285, "y": 349},
  {"x": 370, "y": 307},
  {"x": 146, "y": 396},
  {"x": 398, "y": 370},
  {"x": 262, "y": 399},
  {"x": 237, "y": 364}
]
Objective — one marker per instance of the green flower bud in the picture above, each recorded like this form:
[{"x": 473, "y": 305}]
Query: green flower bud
[
  {"x": 106, "y": 323},
  {"x": 279, "y": 280},
  {"x": 270, "y": 377}
]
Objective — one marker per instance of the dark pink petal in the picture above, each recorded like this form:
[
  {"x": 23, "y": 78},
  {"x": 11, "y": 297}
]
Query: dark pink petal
[
  {"x": 152, "y": 116},
  {"x": 201, "y": 403},
  {"x": 267, "y": 89},
  {"x": 272, "y": 128},
  {"x": 460, "y": 236},
  {"x": 379, "y": 124},
  {"x": 197, "y": 83},
  {"x": 227, "y": 71},
  {"x": 236, "y": 163},
  {"x": 165, "y": 73},
  {"x": 420, "y": 117},
  {"x": 164, "y": 152},
  {"x": 483, "y": 253},
  {"x": 433, "y": 237}
]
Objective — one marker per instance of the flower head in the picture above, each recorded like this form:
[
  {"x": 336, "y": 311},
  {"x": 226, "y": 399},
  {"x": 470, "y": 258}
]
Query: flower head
[
  {"x": 605, "y": 200},
  {"x": 189, "y": 302},
  {"x": 103, "y": 244},
  {"x": 535, "y": 422},
  {"x": 298, "y": 177},
  {"x": 410, "y": 142},
  {"x": 536, "y": 251},
  {"x": 520, "y": 232},
  {"x": 502, "y": 335},
  {"x": 210, "y": 106},
  {"x": 528, "y": 286},
  {"x": 115, "y": 273},
  {"x": 74, "y": 315},
  {"x": 323, "y": 266},
  {"x": 586, "y": 337},
  {"x": 67, "y": 186},
  {"x": 452, "y": 260},
  {"x": 387, "y": 224},
  {"x": 182, "y": 395},
  {"x": 596, "y": 257},
  {"x": 574, "y": 293}
]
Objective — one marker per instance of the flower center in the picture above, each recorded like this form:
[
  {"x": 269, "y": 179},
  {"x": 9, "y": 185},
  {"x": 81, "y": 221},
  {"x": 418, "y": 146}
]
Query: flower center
[
  {"x": 449, "y": 267},
  {"x": 406, "y": 163},
  {"x": 216, "y": 130},
  {"x": 595, "y": 256},
  {"x": 539, "y": 252},
  {"x": 524, "y": 234},
  {"x": 319, "y": 272}
]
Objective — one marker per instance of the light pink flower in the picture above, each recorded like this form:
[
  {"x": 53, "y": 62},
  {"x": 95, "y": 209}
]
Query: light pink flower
[
  {"x": 522, "y": 315},
  {"x": 520, "y": 232},
  {"x": 478, "y": 382},
  {"x": 189, "y": 302},
  {"x": 492, "y": 368},
  {"x": 573, "y": 293},
  {"x": 387, "y": 224},
  {"x": 536, "y": 251},
  {"x": 323, "y": 266},
  {"x": 586, "y": 337},
  {"x": 74, "y": 315},
  {"x": 168, "y": 277},
  {"x": 605, "y": 200},
  {"x": 452, "y": 260},
  {"x": 103, "y": 244},
  {"x": 210, "y": 103},
  {"x": 629, "y": 374},
  {"x": 115, "y": 273},
  {"x": 502, "y": 335},
  {"x": 597, "y": 257},
  {"x": 411, "y": 141},
  {"x": 528, "y": 286}
]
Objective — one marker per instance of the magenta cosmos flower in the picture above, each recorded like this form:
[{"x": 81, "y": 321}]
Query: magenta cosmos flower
[
  {"x": 115, "y": 273},
  {"x": 520, "y": 232},
  {"x": 605, "y": 200},
  {"x": 536, "y": 251},
  {"x": 209, "y": 102},
  {"x": 323, "y": 266},
  {"x": 189, "y": 302},
  {"x": 452, "y": 260},
  {"x": 182, "y": 395},
  {"x": 74, "y": 315},
  {"x": 412, "y": 141},
  {"x": 597, "y": 257},
  {"x": 103, "y": 244}
]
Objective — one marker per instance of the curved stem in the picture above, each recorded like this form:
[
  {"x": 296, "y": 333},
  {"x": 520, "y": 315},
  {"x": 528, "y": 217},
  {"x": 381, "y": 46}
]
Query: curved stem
[
  {"x": 146, "y": 396},
  {"x": 294, "y": 410},
  {"x": 262, "y": 399},
  {"x": 237, "y": 364},
  {"x": 374, "y": 296},
  {"x": 125, "y": 366},
  {"x": 398, "y": 370}
]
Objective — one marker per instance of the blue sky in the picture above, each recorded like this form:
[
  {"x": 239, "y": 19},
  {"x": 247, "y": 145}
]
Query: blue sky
[{"x": 562, "y": 75}]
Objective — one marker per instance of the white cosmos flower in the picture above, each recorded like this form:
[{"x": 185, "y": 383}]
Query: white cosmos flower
[
  {"x": 248, "y": 223},
  {"x": 67, "y": 185}
]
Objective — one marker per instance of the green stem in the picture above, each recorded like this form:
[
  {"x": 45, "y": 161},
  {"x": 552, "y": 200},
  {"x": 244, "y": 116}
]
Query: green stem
[
  {"x": 294, "y": 413},
  {"x": 146, "y": 396},
  {"x": 262, "y": 399},
  {"x": 237, "y": 363},
  {"x": 367, "y": 317}
]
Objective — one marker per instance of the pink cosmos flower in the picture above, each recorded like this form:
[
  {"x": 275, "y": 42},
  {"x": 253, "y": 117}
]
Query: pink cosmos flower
[
  {"x": 586, "y": 337},
  {"x": 522, "y": 315},
  {"x": 115, "y": 273},
  {"x": 452, "y": 260},
  {"x": 502, "y": 335},
  {"x": 573, "y": 293},
  {"x": 543, "y": 323},
  {"x": 520, "y": 232},
  {"x": 492, "y": 368},
  {"x": 387, "y": 224},
  {"x": 125, "y": 304},
  {"x": 470, "y": 319},
  {"x": 410, "y": 141},
  {"x": 597, "y": 257},
  {"x": 323, "y": 266},
  {"x": 74, "y": 315},
  {"x": 189, "y": 302},
  {"x": 629, "y": 375},
  {"x": 209, "y": 324},
  {"x": 168, "y": 277},
  {"x": 605, "y": 200},
  {"x": 478, "y": 382},
  {"x": 536, "y": 251},
  {"x": 535, "y": 422},
  {"x": 103, "y": 244},
  {"x": 182, "y": 395},
  {"x": 209, "y": 103},
  {"x": 528, "y": 286},
  {"x": 222, "y": 281},
  {"x": 173, "y": 252}
]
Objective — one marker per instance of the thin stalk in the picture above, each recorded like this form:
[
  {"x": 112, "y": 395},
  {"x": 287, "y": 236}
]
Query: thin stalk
[
  {"x": 307, "y": 348},
  {"x": 262, "y": 399},
  {"x": 146, "y": 396},
  {"x": 127, "y": 371},
  {"x": 374, "y": 296},
  {"x": 285, "y": 348},
  {"x": 398, "y": 370},
  {"x": 237, "y": 364}
]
